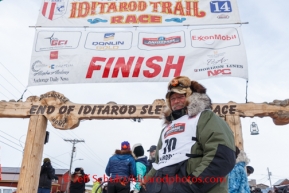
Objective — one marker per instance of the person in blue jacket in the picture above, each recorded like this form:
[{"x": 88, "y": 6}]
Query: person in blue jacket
[
  {"x": 238, "y": 181},
  {"x": 141, "y": 165},
  {"x": 120, "y": 168}
]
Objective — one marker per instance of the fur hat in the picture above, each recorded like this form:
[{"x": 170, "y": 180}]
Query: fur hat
[
  {"x": 183, "y": 85},
  {"x": 125, "y": 145},
  {"x": 138, "y": 150},
  {"x": 46, "y": 160}
]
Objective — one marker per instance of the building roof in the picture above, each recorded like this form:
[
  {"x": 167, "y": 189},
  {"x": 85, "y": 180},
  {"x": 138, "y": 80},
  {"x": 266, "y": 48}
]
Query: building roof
[
  {"x": 16, "y": 170},
  {"x": 279, "y": 182},
  {"x": 262, "y": 186}
]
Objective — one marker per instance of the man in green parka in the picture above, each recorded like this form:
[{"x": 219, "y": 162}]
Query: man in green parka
[{"x": 196, "y": 149}]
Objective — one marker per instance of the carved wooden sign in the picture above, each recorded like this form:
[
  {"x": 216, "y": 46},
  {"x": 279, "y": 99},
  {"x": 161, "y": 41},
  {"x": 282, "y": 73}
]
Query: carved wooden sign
[{"x": 63, "y": 114}]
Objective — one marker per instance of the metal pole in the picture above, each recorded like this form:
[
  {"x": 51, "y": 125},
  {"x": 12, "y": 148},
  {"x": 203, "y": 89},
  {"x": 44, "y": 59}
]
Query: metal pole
[
  {"x": 71, "y": 157},
  {"x": 269, "y": 174},
  {"x": 74, "y": 141}
]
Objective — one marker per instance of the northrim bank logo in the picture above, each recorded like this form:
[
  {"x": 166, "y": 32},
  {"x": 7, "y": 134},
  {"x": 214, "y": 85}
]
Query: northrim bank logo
[{"x": 54, "y": 9}]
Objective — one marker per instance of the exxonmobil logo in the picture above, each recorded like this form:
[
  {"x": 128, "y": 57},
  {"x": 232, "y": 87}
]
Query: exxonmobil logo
[{"x": 219, "y": 72}]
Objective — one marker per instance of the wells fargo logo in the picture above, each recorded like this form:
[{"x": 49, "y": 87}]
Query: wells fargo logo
[{"x": 151, "y": 10}]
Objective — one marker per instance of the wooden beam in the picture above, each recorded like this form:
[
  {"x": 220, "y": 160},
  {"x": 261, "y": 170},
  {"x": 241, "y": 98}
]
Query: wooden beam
[
  {"x": 64, "y": 114},
  {"x": 31, "y": 162},
  {"x": 235, "y": 124}
]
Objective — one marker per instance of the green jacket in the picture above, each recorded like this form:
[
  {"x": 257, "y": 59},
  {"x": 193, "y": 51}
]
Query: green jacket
[
  {"x": 95, "y": 186},
  {"x": 215, "y": 142}
]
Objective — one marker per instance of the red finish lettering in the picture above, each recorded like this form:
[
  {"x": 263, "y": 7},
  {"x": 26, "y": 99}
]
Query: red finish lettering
[
  {"x": 93, "y": 66},
  {"x": 125, "y": 68},
  {"x": 156, "y": 67},
  {"x": 178, "y": 66},
  {"x": 107, "y": 68},
  {"x": 137, "y": 67}
]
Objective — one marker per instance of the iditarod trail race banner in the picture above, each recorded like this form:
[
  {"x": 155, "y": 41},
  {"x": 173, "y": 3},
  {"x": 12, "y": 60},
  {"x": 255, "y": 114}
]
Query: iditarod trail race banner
[
  {"x": 124, "y": 13},
  {"x": 136, "y": 55}
]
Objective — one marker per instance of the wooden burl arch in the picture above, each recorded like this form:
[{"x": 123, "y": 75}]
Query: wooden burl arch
[{"x": 64, "y": 114}]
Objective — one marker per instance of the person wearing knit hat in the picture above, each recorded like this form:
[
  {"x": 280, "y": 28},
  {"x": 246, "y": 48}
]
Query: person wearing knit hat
[
  {"x": 195, "y": 142},
  {"x": 141, "y": 164},
  {"x": 47, "y": 173},
  {"x": 78, "y": 180},
  {"x": 46, "y": 160},
  {"x": 125, "y": 145},
  {"x": 120, "y": 168},
  {"x": 250, "y": 170}
]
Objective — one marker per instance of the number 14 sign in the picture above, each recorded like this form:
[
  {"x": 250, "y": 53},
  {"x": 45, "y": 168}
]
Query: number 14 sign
[{"x": 220, "y": 6}]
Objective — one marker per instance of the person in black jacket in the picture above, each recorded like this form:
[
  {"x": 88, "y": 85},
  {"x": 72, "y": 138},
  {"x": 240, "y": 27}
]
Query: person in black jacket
[
  {"x": 47, "y": 174},
  {"x": 152, "y": 157},
  {"x": 78, "y": 180}
]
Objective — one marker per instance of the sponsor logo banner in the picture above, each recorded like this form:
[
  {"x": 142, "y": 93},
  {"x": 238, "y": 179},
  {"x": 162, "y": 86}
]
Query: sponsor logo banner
[
  {"x": 142, "y": 55},
  {"x": 108, "y": 13},
  {"x": 161, "y": 41},
  {"x": 103, "y": 41},
  {"x": 57, "y": 40},
  {"x": 215, "y": 38}
]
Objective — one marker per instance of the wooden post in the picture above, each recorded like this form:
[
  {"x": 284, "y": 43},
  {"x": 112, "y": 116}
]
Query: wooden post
[
  {"x": 235, "y": 124},
  {"x": 31, "y": 162}
]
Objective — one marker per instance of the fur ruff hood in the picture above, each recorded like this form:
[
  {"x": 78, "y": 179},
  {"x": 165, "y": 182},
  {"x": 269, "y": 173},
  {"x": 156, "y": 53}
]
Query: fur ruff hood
[
  {"x": 123, "y": 152},
  {"x": 196, "y": 103},
  {"x": 242, "y": 157}
]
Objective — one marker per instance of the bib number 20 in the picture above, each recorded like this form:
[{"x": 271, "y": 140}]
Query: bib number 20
[{"x": 170, "y": 145}]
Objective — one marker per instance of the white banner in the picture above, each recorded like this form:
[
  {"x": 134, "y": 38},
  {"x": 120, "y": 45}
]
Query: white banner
[
  {"x": 129, "y": 55},
  {"x": 115, "y": 13}
]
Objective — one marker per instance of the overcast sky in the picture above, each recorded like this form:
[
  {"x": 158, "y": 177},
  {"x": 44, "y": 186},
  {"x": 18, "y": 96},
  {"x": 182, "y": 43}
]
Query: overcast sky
[{"x": 266, "y": 40}]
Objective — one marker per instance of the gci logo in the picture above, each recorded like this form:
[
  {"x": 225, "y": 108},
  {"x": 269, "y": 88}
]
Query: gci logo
[{"x": 55, "y": 41}]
